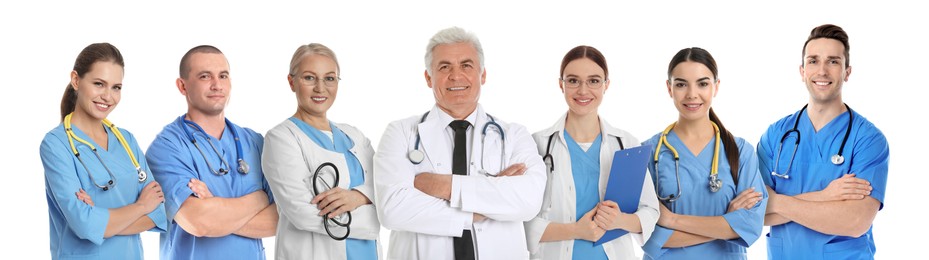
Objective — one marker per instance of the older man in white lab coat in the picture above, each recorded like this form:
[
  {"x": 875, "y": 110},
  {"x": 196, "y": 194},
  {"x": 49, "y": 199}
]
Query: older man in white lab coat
[{"x": 477, "y": 212}]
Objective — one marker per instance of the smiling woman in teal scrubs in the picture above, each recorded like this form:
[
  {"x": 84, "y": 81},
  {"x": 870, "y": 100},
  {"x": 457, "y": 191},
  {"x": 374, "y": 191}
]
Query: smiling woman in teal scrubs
[
  {"x": 99, "y": 194},
  {"x": 713, "y": 200}
]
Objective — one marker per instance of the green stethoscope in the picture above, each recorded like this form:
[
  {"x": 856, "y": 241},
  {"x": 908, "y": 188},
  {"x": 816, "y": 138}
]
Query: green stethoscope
[
  {"x": 715, "y": 182},
  {"x": 119, "y": 136}
]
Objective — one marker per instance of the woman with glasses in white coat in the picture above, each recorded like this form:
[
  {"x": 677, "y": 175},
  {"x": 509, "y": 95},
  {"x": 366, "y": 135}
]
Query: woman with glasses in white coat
[
  {"x": 319, "y": 170},
  {"x": 578, "y": 150}
]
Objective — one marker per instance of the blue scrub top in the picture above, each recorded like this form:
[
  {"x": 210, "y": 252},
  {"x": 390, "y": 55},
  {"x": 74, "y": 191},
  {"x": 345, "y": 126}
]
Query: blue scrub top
[
  {"x": 585, "y": 168},
  {"x": 175, "y": 161},
  {"x": 75, "y": 228},
  {"x": 866, "y": 154},
  {"x": 697, "y": 199},
  {"x": 340, "y": 143}
]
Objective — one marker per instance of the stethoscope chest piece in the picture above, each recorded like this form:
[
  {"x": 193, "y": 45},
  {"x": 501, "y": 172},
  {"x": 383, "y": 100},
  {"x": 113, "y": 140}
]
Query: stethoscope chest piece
[
  {"x": 142, "y": 175},
  {"x": 715, "y": 183},
  {"x": 838, "y": 159},
  {"x": 416, "y": 156},
  {"x": 243, "y": 167}
]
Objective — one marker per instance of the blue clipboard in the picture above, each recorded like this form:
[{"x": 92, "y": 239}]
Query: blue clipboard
[{"x": 625, "y": 184}]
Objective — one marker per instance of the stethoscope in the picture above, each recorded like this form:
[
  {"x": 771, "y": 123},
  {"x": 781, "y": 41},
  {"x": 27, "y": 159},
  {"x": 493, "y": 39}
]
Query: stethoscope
[
  {"x": 122, "y": 140},
  {"x": 715, "y": 183},
  {"x": 836, "y": 159},
  {"x": 416, "y": 156},
  {"x": 343, "y": 220},
  {"x": 550, "y": 160},
  {"x": 223, "y": 170}
]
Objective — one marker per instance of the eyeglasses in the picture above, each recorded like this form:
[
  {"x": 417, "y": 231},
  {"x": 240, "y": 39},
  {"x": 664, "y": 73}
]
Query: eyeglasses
[
  {"x": 311, "y": 80},
  {"x": 572, "y": 82}
]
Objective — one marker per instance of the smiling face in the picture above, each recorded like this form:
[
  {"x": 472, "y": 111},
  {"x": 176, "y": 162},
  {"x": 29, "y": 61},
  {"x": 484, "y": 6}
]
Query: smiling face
[
  {"x": 824, "y": 70},
  {"x": 98, "y": 91},
  {"x": 457, "y": 78},
  {"x": 207, "y": 85},
  {"x": 315, "y": 83},
  {"x": 692, "y": 88},
  {"x": 582, "y": 99}
]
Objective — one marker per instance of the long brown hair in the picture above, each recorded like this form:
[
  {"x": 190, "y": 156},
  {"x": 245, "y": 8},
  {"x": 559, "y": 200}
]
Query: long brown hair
[
  {"x": 699, "y": 55},
  {"x": 97, "y": 52}
]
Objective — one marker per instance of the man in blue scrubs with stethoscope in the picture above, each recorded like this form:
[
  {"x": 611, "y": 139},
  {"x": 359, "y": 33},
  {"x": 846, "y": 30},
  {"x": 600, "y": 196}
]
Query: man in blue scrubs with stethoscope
[
  {"x": 218, "y": 203},
  {"x": 825, "y": 165}
]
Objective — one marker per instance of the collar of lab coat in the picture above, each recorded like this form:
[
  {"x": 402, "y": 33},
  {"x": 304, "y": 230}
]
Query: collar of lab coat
[
  {"x": 609, "y": 132},
  {"x": 432, "y": 130},
  {"x": 609, "y": 145}
]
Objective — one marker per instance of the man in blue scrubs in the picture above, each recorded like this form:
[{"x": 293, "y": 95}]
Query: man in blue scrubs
[
  {"x": 217, "y": 209},
  {"x": 827, "y": 178}
]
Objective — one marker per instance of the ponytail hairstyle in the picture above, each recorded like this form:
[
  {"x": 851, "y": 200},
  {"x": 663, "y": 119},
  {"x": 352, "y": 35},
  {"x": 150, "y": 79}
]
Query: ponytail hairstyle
[
  {"x": 97, "y": 52},
  {"x": 698, "y": 55}
]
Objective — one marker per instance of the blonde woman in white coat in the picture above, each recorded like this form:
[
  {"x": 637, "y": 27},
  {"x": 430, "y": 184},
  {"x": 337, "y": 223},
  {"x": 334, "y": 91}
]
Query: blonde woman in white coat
[
  {"x": 578, "y": 150},
  {"x": 296, "y": 161}
]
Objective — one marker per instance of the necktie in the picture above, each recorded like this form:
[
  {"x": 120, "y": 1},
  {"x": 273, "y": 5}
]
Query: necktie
[{"x": 464, "y": 247}]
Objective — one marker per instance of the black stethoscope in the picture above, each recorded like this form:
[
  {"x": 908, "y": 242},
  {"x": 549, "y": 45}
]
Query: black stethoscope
[
  {"x": 550, "y": 160},
  {"x": 343, "y": 220},
  {"x": 836, "y": 159},
  {"x": 319, "y": 182},
  {"x": 417, "y": 156},
  {"x": 223, "y": 170}
]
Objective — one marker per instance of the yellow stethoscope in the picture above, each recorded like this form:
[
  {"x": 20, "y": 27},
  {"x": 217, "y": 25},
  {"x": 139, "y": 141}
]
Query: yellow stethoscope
[
  {"x": 122, "y": 140},
  {"x": 715, "y": 182}
]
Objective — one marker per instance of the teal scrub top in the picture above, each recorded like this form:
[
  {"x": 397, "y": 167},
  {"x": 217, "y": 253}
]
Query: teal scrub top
[
  {"x": 585, "y": 168},
  {"x": 866, "y": 154},
  {"x": 175, "y": 161},
  {"x": 697, "y": 199},
  {"x": 75, "y": 228}
]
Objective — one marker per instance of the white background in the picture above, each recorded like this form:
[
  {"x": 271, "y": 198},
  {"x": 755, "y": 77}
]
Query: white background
[{"x": 380, "y": 47}]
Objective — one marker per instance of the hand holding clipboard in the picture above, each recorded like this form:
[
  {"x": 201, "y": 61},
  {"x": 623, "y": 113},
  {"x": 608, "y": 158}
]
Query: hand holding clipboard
[{"x": 624, "y": 186}]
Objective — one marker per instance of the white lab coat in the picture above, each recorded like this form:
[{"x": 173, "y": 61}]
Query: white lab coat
[
  {"x": 560, "y": 198},
  {"x": 422, "y": 226},
  {"x": 300, "y": 231}
]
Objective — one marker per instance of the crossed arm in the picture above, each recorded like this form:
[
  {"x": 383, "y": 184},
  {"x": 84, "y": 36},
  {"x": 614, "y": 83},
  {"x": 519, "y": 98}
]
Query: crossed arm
[
  {"x": 842, "y": 208},
  {"x": 249, "y": 216},
  {"x": 693, "y": 230},
  {"x": 440, "y": 185},
  {"x": 133, "y": 218}
]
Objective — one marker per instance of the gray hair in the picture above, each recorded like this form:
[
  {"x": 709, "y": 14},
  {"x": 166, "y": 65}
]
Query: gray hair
[
  {"x": 453, "y": 35},
  {"x": 310, "y": 49}
]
